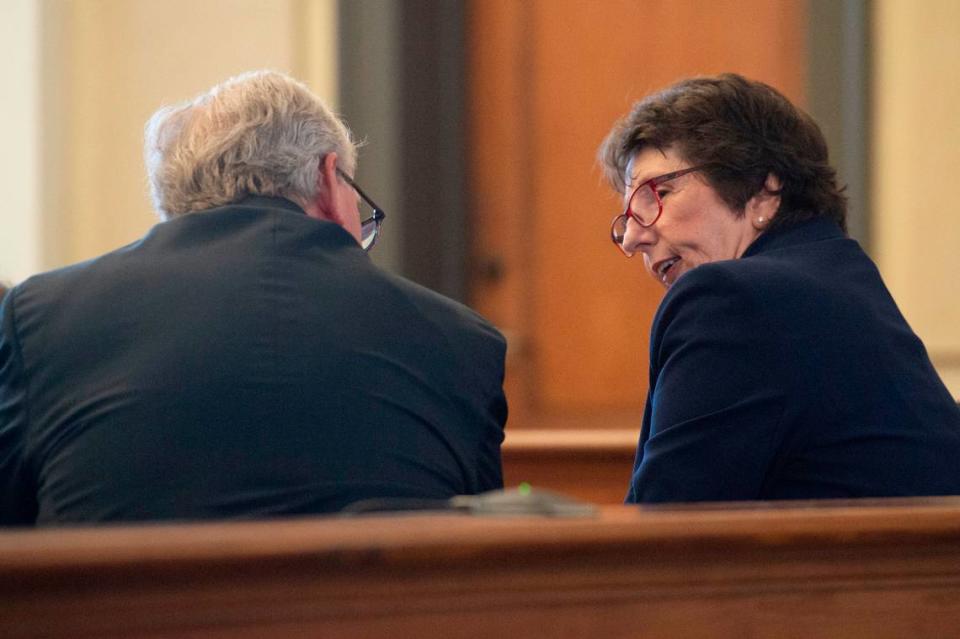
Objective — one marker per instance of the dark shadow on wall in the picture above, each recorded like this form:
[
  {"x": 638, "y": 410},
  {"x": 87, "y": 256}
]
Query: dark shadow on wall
[
  {"x": 402, "y": 90},
  {"x": 839, "y": 96}
]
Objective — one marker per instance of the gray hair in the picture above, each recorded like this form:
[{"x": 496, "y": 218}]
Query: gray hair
[{"x": 260, "y": 133}]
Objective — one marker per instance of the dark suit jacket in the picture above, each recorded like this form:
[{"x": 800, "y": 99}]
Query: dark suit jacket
[
  {"x": 787, "y": 374},
  {"x": 243, "y": 361}
]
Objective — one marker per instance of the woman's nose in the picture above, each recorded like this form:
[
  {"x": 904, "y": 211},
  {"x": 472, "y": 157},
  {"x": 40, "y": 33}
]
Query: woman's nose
[{"x": 635, "y": 237}]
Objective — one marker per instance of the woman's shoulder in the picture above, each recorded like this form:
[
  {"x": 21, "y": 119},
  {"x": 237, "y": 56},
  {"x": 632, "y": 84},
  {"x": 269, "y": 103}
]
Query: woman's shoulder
[
  {"x": 786, "y": 288},
  {"x": 759, "y": 277}
]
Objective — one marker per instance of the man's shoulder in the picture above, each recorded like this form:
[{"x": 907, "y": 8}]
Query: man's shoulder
[
  {"x": 64, "y": 278},
  {"x": 442, "y": 309}
]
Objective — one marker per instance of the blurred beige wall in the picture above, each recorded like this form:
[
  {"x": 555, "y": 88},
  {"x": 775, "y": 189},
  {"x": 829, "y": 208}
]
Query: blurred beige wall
[
  {"x": 109, "y": 64},
  {"x": 916, "y": 169},
  {"x": 19, "y": 162}
]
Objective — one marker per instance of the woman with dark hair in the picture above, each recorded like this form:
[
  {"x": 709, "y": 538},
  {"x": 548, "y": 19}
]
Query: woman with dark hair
[{"x": 780, "y": 366}]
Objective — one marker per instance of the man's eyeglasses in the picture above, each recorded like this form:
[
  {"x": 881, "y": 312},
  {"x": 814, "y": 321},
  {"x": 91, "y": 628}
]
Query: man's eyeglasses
[
  {"x": 644, "y": 206},
  {"x": 370, "y": 225}
]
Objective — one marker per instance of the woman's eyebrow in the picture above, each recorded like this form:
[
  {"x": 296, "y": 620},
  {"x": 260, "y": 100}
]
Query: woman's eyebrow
[
  {"x": 635, "y": 183},
  {"x": 656, "y": 175}
]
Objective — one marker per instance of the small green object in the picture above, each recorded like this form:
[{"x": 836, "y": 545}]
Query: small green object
[{"x": 523, "y": 488}]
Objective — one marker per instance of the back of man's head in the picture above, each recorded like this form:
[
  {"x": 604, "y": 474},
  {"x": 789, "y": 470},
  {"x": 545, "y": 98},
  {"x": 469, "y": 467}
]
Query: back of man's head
[{"x": 261, "y": 133}]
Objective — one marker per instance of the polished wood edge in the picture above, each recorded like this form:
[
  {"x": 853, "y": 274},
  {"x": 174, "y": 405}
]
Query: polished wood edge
[
  {"x": 548, "y": 441},
  {"x": 623, "y": 531}
]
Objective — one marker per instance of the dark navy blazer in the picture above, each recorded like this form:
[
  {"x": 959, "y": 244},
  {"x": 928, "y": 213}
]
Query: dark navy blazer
[
  {"x": 791, "y": 374},
  {"x": 239, "y": 362}
]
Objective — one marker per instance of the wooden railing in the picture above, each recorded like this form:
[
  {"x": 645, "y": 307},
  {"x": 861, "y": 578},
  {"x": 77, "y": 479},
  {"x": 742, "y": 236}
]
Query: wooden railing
[{"x": 871, "y": 569}]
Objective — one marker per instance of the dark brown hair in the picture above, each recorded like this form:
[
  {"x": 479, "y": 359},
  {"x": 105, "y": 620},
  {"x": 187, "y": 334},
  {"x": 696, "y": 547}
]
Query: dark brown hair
[{"x": 742, "y": 130}]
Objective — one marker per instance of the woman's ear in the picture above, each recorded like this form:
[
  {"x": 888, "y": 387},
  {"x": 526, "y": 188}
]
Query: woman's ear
[{"x": 763, "y": 206}]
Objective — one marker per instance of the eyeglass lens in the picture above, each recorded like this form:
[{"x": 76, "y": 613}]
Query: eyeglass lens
[
  {"x": 619, "y": 229},
  {"x": 369, "y": 230},
  {"x": 644, "y": 204}
]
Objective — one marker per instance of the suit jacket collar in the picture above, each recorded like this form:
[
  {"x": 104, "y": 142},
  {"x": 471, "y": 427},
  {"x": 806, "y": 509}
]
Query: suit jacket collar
[
  {"x": 814, "y": 230},
  {"x": 264, "y": 202}
]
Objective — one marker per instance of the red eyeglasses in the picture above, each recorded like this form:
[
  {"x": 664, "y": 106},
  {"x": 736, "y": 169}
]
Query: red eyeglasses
[{"x": 644, "y": 206}]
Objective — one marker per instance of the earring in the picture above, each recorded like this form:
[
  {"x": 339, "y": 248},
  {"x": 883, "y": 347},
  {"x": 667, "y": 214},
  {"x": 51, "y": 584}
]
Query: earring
[{"x": 761, "y": 220}]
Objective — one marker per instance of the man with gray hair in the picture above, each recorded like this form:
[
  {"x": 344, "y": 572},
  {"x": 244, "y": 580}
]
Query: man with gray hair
[{"x": 245, "y": 358}]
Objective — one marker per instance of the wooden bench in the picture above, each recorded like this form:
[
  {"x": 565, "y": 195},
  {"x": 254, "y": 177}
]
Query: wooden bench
[{"x": 872, "y": 569}]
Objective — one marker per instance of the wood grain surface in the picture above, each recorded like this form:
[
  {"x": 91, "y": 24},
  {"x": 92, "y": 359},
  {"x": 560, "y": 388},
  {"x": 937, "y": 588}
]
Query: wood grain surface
[{"x": 886, "y": 568}]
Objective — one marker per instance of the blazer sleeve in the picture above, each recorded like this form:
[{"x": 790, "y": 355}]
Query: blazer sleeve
[
  {"x": 718, "y": 371},
  {"x": 494, "y": 410},
  {"x": 17, "y": 494}
]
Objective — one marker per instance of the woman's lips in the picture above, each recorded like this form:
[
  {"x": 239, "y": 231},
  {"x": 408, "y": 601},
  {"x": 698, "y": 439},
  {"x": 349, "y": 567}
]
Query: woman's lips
[{"x": 664, "y": 269}]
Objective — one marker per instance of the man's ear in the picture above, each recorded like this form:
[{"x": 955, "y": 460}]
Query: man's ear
[
  {"x": 335, "y": 200},
  {"x": 325, "y": 204},
  {"x": 763, "y": 206}
]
